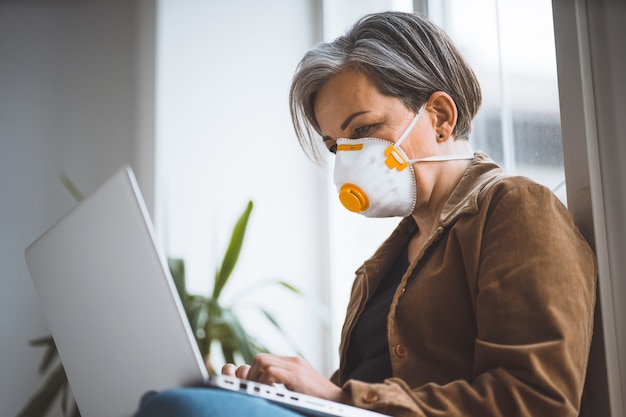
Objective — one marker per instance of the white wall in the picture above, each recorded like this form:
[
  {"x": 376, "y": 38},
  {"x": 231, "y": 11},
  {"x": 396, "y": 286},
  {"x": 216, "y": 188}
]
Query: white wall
[
  {"x": 69, "y": 101},
  {"x": 225, "y": 137}
]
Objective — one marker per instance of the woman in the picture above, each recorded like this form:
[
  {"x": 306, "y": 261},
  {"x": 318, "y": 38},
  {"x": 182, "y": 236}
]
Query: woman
[{"x": 480, "y": 303}]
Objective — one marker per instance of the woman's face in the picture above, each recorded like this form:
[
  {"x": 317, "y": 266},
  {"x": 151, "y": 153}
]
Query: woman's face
[{"x": 350, "y": 106}]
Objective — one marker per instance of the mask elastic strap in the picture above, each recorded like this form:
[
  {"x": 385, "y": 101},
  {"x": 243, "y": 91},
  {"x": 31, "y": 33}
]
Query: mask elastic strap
[
  {"x": 443, "y": 158},
  {"x": 408, "y": 129}
]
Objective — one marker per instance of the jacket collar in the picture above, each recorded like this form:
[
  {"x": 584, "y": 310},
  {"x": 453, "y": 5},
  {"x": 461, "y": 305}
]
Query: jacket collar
[{"x": 463, "y": 200}]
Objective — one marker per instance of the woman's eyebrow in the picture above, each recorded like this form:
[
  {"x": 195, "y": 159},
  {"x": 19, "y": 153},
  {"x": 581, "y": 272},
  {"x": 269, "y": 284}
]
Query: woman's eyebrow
[{"x": 349, "y": 118}]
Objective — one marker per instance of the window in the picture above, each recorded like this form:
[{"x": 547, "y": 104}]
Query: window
[{"x": 512, "y": 53}]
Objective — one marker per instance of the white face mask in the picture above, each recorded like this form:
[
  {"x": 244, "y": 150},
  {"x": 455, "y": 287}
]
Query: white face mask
[{"x": 374, "y": 177}]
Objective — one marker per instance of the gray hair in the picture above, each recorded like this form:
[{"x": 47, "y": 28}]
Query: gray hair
[{"x": 403, "y": 54}]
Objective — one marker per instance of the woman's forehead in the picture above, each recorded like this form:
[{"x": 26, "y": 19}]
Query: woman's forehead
[{"x": 348, "y": 92}]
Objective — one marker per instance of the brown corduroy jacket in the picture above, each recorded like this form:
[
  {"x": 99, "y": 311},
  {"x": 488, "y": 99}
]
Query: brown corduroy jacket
[{"x": 493, "y": 317}]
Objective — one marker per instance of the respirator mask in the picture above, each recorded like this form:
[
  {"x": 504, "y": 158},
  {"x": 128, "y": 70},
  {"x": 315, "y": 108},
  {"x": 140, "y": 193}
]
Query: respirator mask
[{"x": 375, "y": 177}]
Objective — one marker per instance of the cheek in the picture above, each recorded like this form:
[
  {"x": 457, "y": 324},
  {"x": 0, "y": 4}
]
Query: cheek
[{"x": 420, "y": 144}]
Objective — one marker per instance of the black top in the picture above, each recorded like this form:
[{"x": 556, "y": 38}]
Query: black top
[{"x": 368, "y": 354}]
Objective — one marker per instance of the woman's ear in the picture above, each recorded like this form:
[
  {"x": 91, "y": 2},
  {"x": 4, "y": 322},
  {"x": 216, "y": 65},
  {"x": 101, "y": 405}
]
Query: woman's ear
[{"x": 445, "y": 112}]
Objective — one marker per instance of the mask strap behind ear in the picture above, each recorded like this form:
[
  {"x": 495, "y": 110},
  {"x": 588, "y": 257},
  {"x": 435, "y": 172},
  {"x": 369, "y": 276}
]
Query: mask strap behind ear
[{"x": 408, "y": 129}]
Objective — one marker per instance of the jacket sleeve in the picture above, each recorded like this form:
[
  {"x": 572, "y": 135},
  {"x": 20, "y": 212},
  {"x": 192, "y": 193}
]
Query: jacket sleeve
[{"x": 535, "y": 295}]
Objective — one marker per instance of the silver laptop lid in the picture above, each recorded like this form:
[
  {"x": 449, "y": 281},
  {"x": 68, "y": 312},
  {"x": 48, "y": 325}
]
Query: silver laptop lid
[{"x": 111, "y": 304}]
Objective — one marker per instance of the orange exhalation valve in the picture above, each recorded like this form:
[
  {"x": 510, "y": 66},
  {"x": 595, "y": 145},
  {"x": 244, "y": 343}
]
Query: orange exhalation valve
[{"x": 353, "y": 198}]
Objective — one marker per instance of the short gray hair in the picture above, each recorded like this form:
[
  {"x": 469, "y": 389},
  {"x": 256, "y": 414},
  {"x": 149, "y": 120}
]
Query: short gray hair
[{"x": 403, "y": 54}]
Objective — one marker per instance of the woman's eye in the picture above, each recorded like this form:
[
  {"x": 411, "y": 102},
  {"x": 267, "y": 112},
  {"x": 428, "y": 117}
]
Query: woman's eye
[
  {"x": 333, "y": 148},
  {"x": 362, "y": 131}
]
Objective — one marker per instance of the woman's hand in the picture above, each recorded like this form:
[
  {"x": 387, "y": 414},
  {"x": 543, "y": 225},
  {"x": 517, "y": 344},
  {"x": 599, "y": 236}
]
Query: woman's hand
[
  {"x": 239, "y": 372},
  {"x": 293, "y": 372}
]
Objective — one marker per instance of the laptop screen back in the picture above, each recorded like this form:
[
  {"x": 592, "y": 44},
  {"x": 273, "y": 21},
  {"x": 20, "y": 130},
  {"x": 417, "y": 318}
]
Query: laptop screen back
[{"x": 91, "y": 269}]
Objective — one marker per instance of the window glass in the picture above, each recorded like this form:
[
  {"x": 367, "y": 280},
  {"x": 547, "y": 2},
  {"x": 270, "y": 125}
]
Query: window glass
[{"x": 512, "y": 52}]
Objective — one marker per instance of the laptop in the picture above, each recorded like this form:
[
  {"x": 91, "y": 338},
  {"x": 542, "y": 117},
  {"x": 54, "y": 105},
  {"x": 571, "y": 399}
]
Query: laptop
[{"x": 115, "y": 315}]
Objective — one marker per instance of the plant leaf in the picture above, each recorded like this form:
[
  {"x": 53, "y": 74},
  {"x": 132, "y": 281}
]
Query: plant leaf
[
  {"x": 71, "y": 187},
  {"x": 48, "y": 358},
  {"x": 68, "y": 404},
  {"x": 240, "y": 337},
  {"x": 258, "y": 348},
  {"x": 40, "y": 403},
  {"x": 50, "y": 354},
  {"x": 75, "y": 412},
  {"x": 289, "y": 287},
  {"x": 229, "y": 353},
  {"x": 232, "y": 253},
  {"x": 65, "y": 399},
  {"x": 45, "y": 340},
  {"x": 249, "y": 290},
  {"x": 177, "y": 270},
  {"x": 270, "y": 317}
]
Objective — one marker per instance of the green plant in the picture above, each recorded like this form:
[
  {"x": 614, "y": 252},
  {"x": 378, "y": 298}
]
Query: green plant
[
  {"x": 211, "y": 322},
  {"x": 55, "y": 384}
]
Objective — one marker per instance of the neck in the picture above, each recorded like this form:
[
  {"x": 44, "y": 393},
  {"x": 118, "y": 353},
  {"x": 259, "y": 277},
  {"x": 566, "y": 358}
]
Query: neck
[{"x": 434, "y": 191}]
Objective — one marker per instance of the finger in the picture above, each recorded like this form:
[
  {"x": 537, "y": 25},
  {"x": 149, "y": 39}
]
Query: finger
[
  {"x": 260, "y": 364},
  {"x": 276, "y": 375},
  {"x": 270, "y": 369},
  {"x": 229, "y": 369},
  {"x": 242, "y": 371}
]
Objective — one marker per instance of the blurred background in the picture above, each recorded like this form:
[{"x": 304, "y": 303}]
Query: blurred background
[{"x": 193, "y": 94}]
